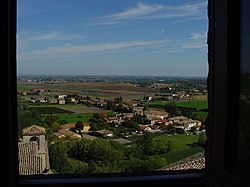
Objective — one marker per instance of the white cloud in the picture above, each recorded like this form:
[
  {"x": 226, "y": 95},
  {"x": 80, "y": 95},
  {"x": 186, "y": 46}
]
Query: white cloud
[
  {"x": 193, "y": 46},
  {"x": 199, "y": 36},
  {"x": 45, "y": 36},
  {"x": 198, "y": 40},
  {"x": 68, "y": 50},
  {"x": 174, "y": 50},
  {"x": 154, "y": 11}
]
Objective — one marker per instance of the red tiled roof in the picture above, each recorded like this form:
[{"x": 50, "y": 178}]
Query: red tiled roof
[
  {"x": 68, "y": 126},
  {"x": 85, "y": 124},
  {"x": 154, "y": 126},
  {"x": 69, "y": 133}
]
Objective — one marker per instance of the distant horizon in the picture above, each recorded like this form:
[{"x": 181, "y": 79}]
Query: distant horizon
[
  {"x": 78, "y": 75},
  {"x": 132, "y": 37}
]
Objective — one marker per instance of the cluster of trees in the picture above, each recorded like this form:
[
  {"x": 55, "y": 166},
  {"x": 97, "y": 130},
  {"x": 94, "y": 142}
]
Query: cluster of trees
[
  {"x": 173, "y": 110},
  {"x": 171, "y": 129},
  {"x": 107, "y": 156},
  {"x": 97, "y": 122},
  {"x": 78, "y": 127},
  {"x": 27, "y": 117}
]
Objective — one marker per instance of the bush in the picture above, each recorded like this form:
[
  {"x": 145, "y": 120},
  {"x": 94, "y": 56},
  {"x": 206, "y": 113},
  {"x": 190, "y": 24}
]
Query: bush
[{"x": 202, "y": 139}]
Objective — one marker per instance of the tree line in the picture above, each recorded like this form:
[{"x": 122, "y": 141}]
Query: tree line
[{"x": 107, "y": 156}]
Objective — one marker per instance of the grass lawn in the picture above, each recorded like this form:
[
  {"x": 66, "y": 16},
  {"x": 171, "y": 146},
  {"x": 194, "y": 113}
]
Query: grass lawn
[
  {"x": 180, "y": 141},
  {"x": 173, "y": 157},
  {"x": 181, "y": 146},
  {"x": 193, "y": 104},
  {"x": 189, "y": 104},
  {"x": 73, "y": 118},
  {"x": 23, "y": 87},
  {"x": 201, "y": 114}
]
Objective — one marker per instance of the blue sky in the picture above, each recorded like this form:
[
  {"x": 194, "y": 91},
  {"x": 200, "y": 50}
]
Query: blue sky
[{"x": 112, "y": 37}]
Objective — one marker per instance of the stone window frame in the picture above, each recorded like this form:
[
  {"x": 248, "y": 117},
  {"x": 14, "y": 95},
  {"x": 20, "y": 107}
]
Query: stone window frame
[{"x": 223, "y": 54}]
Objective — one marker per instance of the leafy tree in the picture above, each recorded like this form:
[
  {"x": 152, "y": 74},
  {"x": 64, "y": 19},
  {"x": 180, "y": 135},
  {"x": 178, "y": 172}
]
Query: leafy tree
[
  {"x": 79, "y": 149},
  {"x": 160, "y": 147},
  {"x": 131, "y": 125},
  {"x": 78, "y": 167},
  {"x": 55, "y": 126},
  {"x": 98, "y": 116},
  {"x": 146, "y": 143},
  {"x": 202, "y": 139},
  {"x": 109, "y": 105},
  {"x": 186, "y": 111},
  {"x": 180, "y": 131},
  {"x": 133, "y": 151},
  {"x": 202, "y": 127},
  {"x": 59, "y": 158},
  {"x": 99, "y": 151},
  {"x": 50, "y": 119},
  {"x": 170, "y": 128},
  {"x": 73, "y": 129},
  {"x": 68, "y": 100},
  {"x": 153, "y": 163},
  {"x": 79, "y": 126},
  {"x": 171, "y": 109},
  {"x": 98, "y": 125},
  {"x": 119, "y": 99},
  {"x": 25, "y": 117}
]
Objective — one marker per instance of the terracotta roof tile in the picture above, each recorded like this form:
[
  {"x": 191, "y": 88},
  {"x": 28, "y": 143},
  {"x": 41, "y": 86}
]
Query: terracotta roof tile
[{"x": 34, "y": 130}]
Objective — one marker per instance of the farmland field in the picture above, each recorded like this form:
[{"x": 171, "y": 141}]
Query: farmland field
[
  {"x": 97, "y": 89},
  {"x": 189, "y": 104},
  {"x": 193, "y": 104},
  {"x": 77, "y": 109},
  {"x": 201, "y": 114},
  {"x": 73, "y": 118},
  {"x": 198, "y": 98},
  {"x": 23, "y": 87},
  {"x": 49, "y": 110}
]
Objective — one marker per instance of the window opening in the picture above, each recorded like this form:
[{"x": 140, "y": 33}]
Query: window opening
[{"x": 112, "y": 86}]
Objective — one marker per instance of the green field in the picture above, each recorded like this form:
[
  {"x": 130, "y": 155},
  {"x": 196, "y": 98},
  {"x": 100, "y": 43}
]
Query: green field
[
  {"x": 201, "y": 114},
  {"x": 182, "y": 146},
  {"x": 189, "y": 104},
  {"x": 193, "y": 104},
  {"x": 24, "y": 87},
  {"x": 173, "y": 157},
  {"x": 180, "y": 141},
  {"x": 73, "y": 118}
]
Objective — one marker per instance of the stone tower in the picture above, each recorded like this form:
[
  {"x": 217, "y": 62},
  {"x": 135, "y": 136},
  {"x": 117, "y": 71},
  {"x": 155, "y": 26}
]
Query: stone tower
[{"x": 35, "y": 135}]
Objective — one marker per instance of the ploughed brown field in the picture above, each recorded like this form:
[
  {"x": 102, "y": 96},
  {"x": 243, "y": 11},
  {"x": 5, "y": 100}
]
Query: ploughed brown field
[{"x": 98, "y": 89}]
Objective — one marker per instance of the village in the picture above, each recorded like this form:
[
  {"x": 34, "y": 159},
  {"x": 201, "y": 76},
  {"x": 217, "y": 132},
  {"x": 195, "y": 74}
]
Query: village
[
  {"x": 147, "y": 120},
  {"x": 65, "y": 113}
]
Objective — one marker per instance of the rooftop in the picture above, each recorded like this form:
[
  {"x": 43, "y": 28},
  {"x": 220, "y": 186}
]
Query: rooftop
[
  {"x": 196, "y": 161},
  {"x": 34, "y": 130}
]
